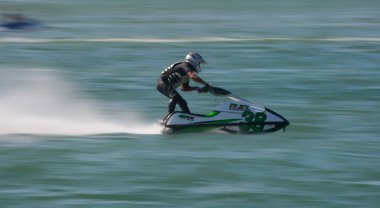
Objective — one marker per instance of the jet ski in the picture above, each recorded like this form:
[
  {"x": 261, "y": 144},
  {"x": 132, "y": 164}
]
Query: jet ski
[{"x": 234, "y": 116}]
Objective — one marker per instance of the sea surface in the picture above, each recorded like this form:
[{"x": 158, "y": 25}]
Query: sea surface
[{"x": 79, "y": 110}]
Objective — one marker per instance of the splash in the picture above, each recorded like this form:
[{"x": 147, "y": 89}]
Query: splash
[{"x": 39, "y": 101}]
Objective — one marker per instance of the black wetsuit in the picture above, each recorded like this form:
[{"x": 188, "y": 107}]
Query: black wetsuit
[{"x": 171, "y": 78}]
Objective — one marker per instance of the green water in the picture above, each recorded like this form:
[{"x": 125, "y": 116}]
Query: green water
[{"x": 79, "y": 111}]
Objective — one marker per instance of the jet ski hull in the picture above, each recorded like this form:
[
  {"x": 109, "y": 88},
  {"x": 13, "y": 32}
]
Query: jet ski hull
[
  {"x": 245, "y": 122},
  {"x": 234, "y": 116}
]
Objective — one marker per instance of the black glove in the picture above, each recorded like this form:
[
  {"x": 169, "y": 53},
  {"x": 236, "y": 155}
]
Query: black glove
[{"x": 203, "y": 89}]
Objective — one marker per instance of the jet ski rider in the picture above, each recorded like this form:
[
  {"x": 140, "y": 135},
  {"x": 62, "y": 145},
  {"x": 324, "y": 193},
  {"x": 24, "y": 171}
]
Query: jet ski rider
[{"x": 179, "y": 74}]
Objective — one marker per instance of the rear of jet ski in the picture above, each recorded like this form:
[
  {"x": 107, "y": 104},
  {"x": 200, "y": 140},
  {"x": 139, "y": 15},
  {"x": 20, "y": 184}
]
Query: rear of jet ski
[{"x": 184, "y": 122}]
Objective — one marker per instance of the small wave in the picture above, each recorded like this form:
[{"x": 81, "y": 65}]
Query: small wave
[
  {"x": 118, "y": 40},
  {"x": 184, "y": 40}
]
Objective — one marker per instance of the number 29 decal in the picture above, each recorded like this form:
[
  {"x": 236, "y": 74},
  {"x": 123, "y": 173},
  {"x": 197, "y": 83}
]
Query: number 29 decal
[{"x": 254, "y": 121}]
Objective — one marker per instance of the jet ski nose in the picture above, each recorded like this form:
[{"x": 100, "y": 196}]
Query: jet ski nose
[
  {"x": 286, "y": 122},
  {"x": 281, "y": 121}
]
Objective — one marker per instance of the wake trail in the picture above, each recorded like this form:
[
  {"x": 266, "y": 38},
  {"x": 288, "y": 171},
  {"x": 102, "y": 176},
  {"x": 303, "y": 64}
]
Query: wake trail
[
  {"x": 186, "y": 40},
  {"x": 39, "y": 101}
]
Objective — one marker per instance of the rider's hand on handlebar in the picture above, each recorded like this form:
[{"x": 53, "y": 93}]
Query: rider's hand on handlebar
[{"x": 203, "y": 89}]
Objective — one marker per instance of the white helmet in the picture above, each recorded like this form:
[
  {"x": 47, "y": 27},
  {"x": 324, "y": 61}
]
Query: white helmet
[{"x": 196, "y": 60}]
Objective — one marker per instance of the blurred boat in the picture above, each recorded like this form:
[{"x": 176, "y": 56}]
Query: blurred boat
[{"x": 19, "y": 22}]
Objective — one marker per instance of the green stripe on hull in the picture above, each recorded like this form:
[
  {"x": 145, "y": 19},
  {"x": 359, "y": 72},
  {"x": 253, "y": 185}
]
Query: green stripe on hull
[
  {"x": 205, "y": 126},
  {"x": 196, "y": 129},
  {"x": 225, "y": 121},
  {"x": 212, "y": 114}
]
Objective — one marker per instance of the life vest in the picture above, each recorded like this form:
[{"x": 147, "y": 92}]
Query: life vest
[{"x": 176, "y": 75}]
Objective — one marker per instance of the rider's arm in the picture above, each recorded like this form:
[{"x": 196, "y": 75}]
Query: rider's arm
[
  {"x": 186, "y": 87},
  {"x": 194, "y": 76}
]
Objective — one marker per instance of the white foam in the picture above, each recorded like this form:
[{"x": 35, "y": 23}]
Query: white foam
[{"x": 39, "y": 101}]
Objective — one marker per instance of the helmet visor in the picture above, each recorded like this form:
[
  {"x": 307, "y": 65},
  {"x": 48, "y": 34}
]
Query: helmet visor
[{"x": 202, "y": 61}]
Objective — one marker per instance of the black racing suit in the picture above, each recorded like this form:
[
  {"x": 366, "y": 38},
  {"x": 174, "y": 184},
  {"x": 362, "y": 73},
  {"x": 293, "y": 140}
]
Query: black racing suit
[{"x": 171, "y": 78}]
